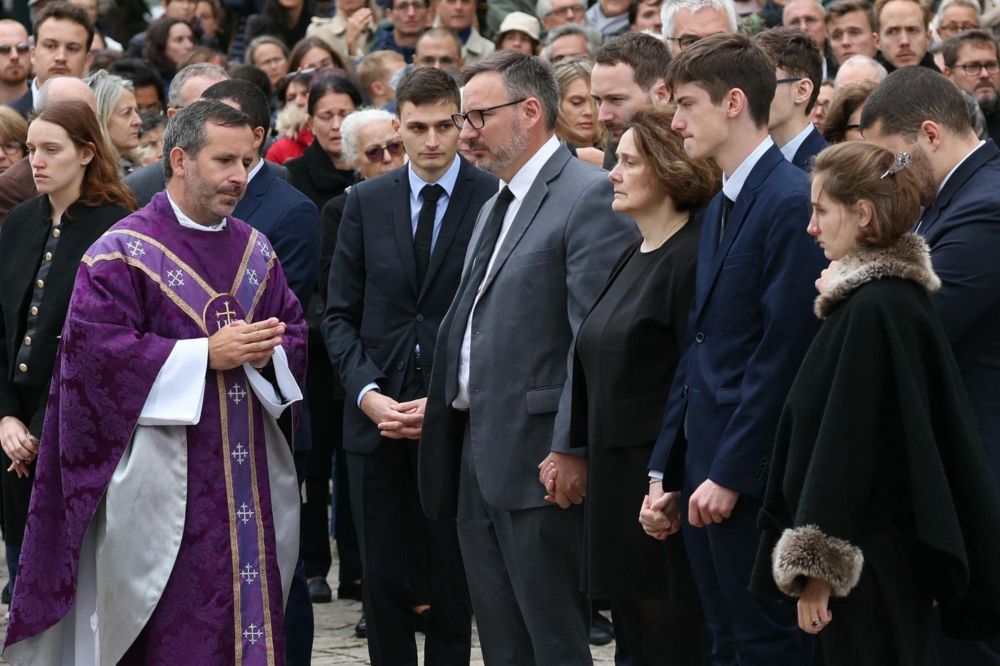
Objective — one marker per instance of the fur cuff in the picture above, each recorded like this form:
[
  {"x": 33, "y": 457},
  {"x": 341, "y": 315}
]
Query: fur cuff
[{"x": 807, "y": 552}]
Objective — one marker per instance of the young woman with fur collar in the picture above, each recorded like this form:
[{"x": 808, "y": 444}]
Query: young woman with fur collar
[{"x": 879, "y": 503}]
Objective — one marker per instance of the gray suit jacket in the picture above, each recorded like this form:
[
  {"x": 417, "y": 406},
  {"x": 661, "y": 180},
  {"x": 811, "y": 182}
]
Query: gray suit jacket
[{"x": 549, "y": 270}]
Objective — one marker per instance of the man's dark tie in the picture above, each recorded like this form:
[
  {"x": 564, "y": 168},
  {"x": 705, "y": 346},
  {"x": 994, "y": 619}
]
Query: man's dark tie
[
  {"x": 424, "y": 237},
  {"x": 727, "y": 208},
  {"x": 488, "y": 240}
]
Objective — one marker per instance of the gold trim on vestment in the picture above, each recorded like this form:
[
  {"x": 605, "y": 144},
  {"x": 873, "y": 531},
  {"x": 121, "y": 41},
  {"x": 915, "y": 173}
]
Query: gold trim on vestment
[
  {"x": 170, "y": 255},
  {"x": 231, "y": 503},
  {"x": 238, "y": 280}
]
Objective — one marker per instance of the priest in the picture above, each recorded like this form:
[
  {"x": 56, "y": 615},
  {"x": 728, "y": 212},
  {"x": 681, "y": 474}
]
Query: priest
[{"x": 163, "y": 528}]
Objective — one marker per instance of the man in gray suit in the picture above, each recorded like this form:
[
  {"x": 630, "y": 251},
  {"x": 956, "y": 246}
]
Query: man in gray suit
[{"x": 498, "y": 403}]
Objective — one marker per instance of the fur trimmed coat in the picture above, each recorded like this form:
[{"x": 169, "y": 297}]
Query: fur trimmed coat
[{"x": 878, "y": 471}]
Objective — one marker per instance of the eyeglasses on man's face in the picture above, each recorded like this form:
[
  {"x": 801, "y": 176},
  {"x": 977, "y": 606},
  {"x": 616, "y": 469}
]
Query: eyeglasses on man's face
[
  {"x": 568, "y": 11},
  {"x": 376, "y": 154},
  {"x": 21, "y": 48},
  {"x": 974, "y": 68},
  {"x": 477, "y": 117},
  {"x": 955, "y": 28}
]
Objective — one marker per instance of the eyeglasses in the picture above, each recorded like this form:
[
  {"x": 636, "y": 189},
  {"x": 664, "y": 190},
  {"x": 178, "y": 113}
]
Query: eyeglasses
[
  {"x": 791, "y": 79},
  {"x": 477, "y": 117},
  {"x": 571, "y": 10},
  {"x": 376, "y": 154},
  {"x": 684, "y": 41},
  {"x": 21, "y": 48},
  {"x": 431, "y": 61},
  {"x": 957, "y": 27},
  {"x": 13, "y": 149},
  {"x": 973, "y": 68}
]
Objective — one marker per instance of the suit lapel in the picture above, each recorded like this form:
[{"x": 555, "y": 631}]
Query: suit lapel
[
  {"x": 957, "y": 181},
  {"x": 737, "y": 217},
  {"x": 458, "y": 202},
  {"x": 255, "y": 194},
  {"x": 404, "y": 226},
  {"x": 526, "y": 213}
]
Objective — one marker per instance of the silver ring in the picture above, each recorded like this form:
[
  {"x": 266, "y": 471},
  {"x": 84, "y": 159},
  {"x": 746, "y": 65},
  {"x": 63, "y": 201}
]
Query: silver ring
[{"x": 816, "y": 623}]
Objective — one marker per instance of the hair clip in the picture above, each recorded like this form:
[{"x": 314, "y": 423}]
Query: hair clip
[{"x": 901, "y": 162}]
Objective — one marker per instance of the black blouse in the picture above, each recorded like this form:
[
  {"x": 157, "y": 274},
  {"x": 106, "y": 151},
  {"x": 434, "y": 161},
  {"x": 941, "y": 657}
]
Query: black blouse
[{"x": 315, "y": 176}]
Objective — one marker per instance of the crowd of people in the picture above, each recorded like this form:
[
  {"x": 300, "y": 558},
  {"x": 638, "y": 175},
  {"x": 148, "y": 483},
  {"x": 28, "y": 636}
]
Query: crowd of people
[{"x": 668, "y": 322}]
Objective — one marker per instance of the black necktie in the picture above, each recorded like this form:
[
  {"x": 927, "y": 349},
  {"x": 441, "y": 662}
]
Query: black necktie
[
  {"x": 727, "y": 208},
  {"x": 423, "y": 239}
]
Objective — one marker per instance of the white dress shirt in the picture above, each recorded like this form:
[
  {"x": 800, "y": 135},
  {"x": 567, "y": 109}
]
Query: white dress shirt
[
  {"x": 792, "y": 147},
  {"x": 519, "y": 186}
]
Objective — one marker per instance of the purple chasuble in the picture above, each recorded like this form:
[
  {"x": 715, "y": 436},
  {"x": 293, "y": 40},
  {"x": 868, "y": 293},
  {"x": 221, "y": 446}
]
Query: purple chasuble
[{"x": 145, "y": 284}]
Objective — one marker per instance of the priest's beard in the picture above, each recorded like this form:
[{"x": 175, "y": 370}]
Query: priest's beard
[
  {"x": 503, "y": 156},
  {"x": 212, "y": 201}
]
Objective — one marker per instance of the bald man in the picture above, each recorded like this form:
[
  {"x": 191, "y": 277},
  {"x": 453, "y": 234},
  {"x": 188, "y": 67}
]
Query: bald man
[{"x": 16, "y": 183}]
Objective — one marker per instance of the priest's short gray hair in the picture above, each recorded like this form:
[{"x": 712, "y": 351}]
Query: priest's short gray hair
[
  {"x": 186, "y": 130},
  {"x": 351, "y": 128}
]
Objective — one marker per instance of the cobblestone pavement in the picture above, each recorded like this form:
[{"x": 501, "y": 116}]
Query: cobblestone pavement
[{"x": 334, "y": 642}]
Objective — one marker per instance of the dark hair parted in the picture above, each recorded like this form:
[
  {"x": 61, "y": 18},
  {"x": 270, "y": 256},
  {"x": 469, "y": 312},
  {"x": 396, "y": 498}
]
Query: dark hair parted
[
  {"x": 648, "y": 57},
  {"x": 690, "y": 183},
  {"x": 427, "y": 85},
  {"x": 912, "y": 95},
  {"x": 523, "y": 76},
  {"x": 794, "y": 51},
  {"x": 851, "y": 172},
  {"x": 846, "y": 101},
  {"x": 324, "y": 84},
  {"x": 951, "y": 48},
  {"x": 186, "y": 130},
  {"x": 65, "y": 11},
  {"x": 723, "y": 62},
  {"x": 101, "y": 182},
  {"x": 251, "y": 100},
  {"x": 845, "y": 7}
]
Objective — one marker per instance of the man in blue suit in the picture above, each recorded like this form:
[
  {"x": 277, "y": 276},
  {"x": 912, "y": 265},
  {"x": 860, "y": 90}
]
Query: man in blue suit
[
  {"x": 920, "y": 112},
  {"x": 750, "y": 325},
  {"x": 290, "y": 221},
  {"x": 798, "y": 67}
]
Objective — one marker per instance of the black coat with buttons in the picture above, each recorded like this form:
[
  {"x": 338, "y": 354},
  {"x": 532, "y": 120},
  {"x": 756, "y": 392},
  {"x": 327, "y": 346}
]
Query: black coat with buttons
[{"x": 36, "y": 282}]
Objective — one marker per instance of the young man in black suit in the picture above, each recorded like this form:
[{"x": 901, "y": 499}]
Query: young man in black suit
[
  {"x": 399, "y": 255},
  {"x": 922, "y": 113},
  {"x": 798, "y": 67}
]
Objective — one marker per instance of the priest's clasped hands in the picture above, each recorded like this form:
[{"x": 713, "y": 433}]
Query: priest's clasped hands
[{"x": 239, "y": 342}]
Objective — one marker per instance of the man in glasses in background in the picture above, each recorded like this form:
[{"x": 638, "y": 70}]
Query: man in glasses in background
[
  {"x": 687, "y": 21},
  {"x": 971, "y": 62},
  {"x": 499, "y": 400},
  {"x": 400, "y": 247},
  {"x": 15, "y": 62}
]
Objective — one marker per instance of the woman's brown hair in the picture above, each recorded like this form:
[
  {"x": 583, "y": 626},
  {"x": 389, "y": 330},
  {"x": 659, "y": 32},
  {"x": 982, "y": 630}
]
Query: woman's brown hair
[
  {"x": 855, "y": 171},
  {"x": 101, "y": 182},
  {"x": 688, "y": 182},
  {"x": 845, "y": 102},
  {"x": 13, "y": 127}
]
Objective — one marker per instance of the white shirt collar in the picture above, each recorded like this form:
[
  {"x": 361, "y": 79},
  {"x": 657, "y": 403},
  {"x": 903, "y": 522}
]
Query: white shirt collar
[
  {"x": 960, "y": 163},
  {"x": 792, "y": 147},
  {"x": 525, "y": 177},
  {"x": 187, "y": 222},
  {"x": 447, "y": 181},
  {"x": 733, "y": 185},
  {"x": 35, "y": 91},
  {"x": 254, "y": 171}
]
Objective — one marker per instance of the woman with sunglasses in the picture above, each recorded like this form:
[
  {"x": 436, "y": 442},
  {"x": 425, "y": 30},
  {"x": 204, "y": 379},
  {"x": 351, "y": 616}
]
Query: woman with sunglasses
[
  {"x": 13, "y": 133},
  {"x": 323, "y": 171},
  {"x": 41, "y": 244}
]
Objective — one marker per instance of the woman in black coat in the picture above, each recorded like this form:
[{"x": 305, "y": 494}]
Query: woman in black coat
[
  {"x": 323, "y": 172},
  {"x": 41, "y": 243},
  {"x": 626, "y": 352},
  {"x": 879, "y": 502}
]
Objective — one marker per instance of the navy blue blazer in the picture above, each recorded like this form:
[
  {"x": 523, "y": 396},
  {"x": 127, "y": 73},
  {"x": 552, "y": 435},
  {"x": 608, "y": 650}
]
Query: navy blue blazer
[
  {"x": 376, "y": 311},
  {"x": 291, "y": 222},
  {"x": 962, "y": 227},
  {"x": 25, "y": 103},
  {"x": 812, "y": 146},
  {"x": 750, "y": 325}
]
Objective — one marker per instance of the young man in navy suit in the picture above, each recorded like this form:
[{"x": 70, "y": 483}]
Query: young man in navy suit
[
  {"x": 798, "y": 67},
  {"x": 750, "y": 324},
  {"x": 400, "y": 248},
  {"x": 922, "y": 113}
]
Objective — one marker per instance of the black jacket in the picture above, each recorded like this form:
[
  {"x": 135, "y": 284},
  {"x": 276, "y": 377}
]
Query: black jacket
[
  {"x": 25, "y": 238},
  {"x": 315, "y": 176}
]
